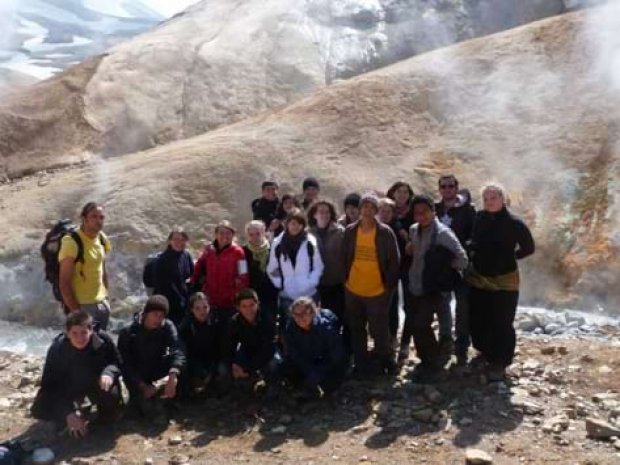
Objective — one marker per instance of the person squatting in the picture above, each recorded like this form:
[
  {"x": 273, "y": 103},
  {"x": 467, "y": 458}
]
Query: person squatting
[{"x": 295, "y": 307}]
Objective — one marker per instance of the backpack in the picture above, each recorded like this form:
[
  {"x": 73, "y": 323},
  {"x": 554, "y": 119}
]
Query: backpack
[
  {"x": 149, "y": 273},
  {"x": 51, "y": 247},
  {"x": 278, "y": 252}
]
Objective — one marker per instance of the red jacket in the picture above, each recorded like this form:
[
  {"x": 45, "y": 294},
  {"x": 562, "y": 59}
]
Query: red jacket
[{"x": 227, "y": 274}]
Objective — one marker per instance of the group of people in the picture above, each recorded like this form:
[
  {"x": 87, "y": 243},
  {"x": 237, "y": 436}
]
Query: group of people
[{"x": 296, "y": 304}]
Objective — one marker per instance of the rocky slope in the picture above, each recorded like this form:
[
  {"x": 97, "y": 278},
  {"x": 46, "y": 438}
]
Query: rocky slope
[
  {"x": 560, "y": 405},
  {"x": 223, "y": 60},
  {"x": 533, "y": 107}
]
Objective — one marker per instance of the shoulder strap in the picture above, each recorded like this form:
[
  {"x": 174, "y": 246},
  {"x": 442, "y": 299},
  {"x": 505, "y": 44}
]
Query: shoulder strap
[
  {"x": 310, "y": 247},
  {"x": 80, "y": 245},
  {"x": 278, "y": 253}
]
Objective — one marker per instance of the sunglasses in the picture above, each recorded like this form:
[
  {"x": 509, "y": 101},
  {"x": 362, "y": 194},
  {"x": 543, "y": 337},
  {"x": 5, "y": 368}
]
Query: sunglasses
[{"x": 447, "y": 186}]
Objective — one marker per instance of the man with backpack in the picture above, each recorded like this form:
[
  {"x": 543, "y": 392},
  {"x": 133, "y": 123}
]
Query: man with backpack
[
  {"x": 437, "y": 258},
  {"x": 82, "y": 276}
]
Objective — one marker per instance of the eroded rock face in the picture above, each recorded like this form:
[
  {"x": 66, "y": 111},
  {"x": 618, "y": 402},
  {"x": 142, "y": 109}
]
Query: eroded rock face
[
  {"x": 534, "y": 108},
  {"x": 223, "y": 60}
]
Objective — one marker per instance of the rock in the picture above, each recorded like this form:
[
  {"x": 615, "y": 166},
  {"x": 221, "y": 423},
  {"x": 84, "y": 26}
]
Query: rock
[
  {"x": 605, "y": 396},
  {"x": 43, "y": 456},
  {"x": 148, "y": 461},
  {"x": 599, "y": 429},
  {"x": 556, "y": 424},
  {"x": 528, "y": 407},
  {"x": 175, "y": 440},
  {"x": 562, "y": 350},
  {"x": 547, "y": 350},
  {"x": 477, "y": 457},
  {"x": 465, "y": 421},
  {"x": 179, "y": 460},
  {"x": 528, "y": 324},
  {"x": 81, "y": 461},
  {"x": 424, "y": 414},
  {"x": 532, "y": 365},
  {"x": 21, "y": 382},
  {"x": 4, "y": 403},
  {"x": 587, "y": 358},
  {"x": 605, "y": 370},
  {"x": 280, "y": 429},
  {"x": 553, "y": 328}
]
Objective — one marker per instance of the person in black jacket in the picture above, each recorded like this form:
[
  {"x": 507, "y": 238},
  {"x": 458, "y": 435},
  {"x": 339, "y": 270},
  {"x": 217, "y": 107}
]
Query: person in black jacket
[
  {"x": 198, "y": 332},
  {"x": 172, "y": 269},
  {"x": 252, "y": 342},
  {"x": 456, "y": 212},
  {"x": 80, "y": 363},
  {"x": 265, "y": 207},
  {"x": 315, "y": 358},
  {"x": 499, "y": 239},
  {"x": 152, "y": 356},
  {"x": 257, "y": 256}
]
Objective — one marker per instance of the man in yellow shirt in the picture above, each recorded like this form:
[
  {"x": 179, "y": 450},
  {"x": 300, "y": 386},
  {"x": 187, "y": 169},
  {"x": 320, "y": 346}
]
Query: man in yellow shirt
[
  {"x": 371, "y": 260},
  {"x": 83, "y": 279}
]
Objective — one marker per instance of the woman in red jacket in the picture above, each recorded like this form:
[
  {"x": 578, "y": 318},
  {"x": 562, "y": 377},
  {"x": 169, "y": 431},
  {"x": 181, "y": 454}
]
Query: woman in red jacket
[{"x": 224, "y": 269}]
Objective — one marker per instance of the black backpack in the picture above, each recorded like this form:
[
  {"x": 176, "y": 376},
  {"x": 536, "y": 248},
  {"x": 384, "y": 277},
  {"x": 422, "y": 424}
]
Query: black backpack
[
  {"x": 51, "y": 247},
  {"x": 278, "y": 252},
  {"x": 149, "y": 273}
]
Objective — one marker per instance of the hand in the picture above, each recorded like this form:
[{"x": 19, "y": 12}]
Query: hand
[
  {"x": 238, "y": 372},
  {"x": 105, "y": 383},
  {"x": 409, "y": 248},
  {"x": 148, "y": 390},
  {"x": 170, "y": 390},
  {"x": 77, "y": 426}
]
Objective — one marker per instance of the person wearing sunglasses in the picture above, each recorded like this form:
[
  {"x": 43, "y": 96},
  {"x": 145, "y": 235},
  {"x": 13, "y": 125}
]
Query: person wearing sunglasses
[
  {"x": 315, "y": 359},
  {"x": 456, "y": 212}
]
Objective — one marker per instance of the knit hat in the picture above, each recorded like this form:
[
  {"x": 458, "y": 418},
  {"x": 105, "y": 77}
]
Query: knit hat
[
  {"x": 352, "y": 199},
  {"x": 156, "y": 303},
  {"x": 226, "y": 225},
  {"x": 310, "y": 182},
  {"x": 370, "y": 197}
]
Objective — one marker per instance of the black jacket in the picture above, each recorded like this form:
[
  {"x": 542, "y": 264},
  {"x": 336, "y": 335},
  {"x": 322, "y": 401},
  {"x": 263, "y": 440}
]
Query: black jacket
[
  {"x": 387, "y": 252},
  {"x": 498, "y": 241},
  {"x": 199, "y": 340},
  {"x": 259, "y": 280},
  {"x": 70, "y": 374},
  {"x": 256, "y": 342},
  {"x": 265, "y": 210},
  {"x": 172, "y": 270},
  {"x": 149, "y": 355},
  {"x": 458, "y": 218}
]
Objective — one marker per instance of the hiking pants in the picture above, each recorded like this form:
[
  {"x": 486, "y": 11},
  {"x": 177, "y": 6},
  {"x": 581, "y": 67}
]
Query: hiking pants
[{"x": 423, "y": 310}]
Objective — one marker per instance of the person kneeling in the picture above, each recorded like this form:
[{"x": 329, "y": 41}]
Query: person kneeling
[
  {"x": 253, "y": 345},
  {"x": 152, "y": 358},
  {"x": 199, "y": 335},
  {"x": 80, "y": 364},
  {"x": 315, "y": 358}
]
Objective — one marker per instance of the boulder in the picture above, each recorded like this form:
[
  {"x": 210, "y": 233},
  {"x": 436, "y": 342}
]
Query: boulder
[
  {"x": 477, "y": 457},
  {"x": 600, "y": 429}
]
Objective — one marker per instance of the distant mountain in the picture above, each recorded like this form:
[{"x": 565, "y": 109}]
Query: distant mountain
[{"x": 39, "y": 38}]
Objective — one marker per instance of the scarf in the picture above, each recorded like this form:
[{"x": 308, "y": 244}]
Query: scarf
[
  {"x": 290, "y": 245},
  {"x": 260, "y": 254}
]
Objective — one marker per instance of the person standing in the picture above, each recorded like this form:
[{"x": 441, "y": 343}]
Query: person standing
[
  {"x": 171, "y": 273},
  {"x": 499, "y": 239},
  {"x": 295, "y": 264},
  {"x": 83, "y": 277},
  {"x": 265, "y": 207},
  {"x": 456, "y": 212},
  {"x": 224, "y": 270},
  {"x": 371, "y": 261},
  {"x": 310, "y": 192},
  {"x": 351, "y": 209},
  {"x": 438, "y": 258},
  {"x": 330, "y": 234}
]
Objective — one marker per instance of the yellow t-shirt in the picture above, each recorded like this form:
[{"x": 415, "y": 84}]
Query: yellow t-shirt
[
  {"x": 87, "y": 278},
  {"x": 365, "y": 275}
]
